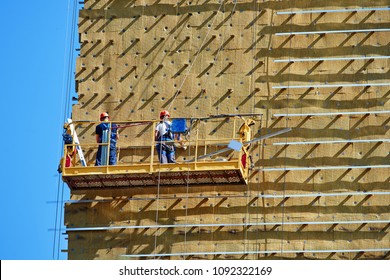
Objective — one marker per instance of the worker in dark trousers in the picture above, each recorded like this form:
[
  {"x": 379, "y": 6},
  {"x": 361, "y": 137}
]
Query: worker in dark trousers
[
  {"x": 102, "y": 132},
  {"x": 164, "y": 137}
]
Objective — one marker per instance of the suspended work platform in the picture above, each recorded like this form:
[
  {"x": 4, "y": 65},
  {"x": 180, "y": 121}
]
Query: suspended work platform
[
  {"x": 229, "y": 172},
  {"x": 221, "y": 159}
]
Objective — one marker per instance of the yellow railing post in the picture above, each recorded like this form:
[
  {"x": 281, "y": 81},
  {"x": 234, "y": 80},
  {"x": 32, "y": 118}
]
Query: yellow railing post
[
  {"x": 63, "y": 163},
  {"x": 234, "y": 128},
  {"x": 196, "y": 148},
  {"x": 152, "y": 149}
]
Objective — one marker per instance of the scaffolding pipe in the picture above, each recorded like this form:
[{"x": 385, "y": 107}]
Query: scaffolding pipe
[
  {"x": 333, "y": 11},
  {"x": 331, "y": 85},
  {"x": 226, "y": 225},
  {"x": 322, "y": 168},
  {"x": 310, "y": 59},
  {"x": 331, "y": 114},
  {"x": 223, "y": 196},
  {"x": 332, "y": 31},
  {"x": 323, "y": 194},
  {"x": 255, "y": 252}
]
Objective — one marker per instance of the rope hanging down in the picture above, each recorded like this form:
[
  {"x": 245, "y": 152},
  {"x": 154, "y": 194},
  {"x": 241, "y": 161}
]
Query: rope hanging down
[
  {"x": 195, "y": 58},
  {"x": 168, "y": 108},
  {"x": 66, "y": 85}
]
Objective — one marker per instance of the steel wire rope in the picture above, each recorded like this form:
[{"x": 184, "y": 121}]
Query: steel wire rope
[
  {"x": 107, "y": 144},
  {"x": 168, "y": 108},
  {"x": 56, "y": 217},
  {"x": 220, "y": 47},
  {"x": 158, "y": 191},
  {"x": 65, "y": 105},
  {"x": 196, "y": 57},
  {"x": 158, "y": 181},
  {"x": 215, "y": 59},
  {"x": 69, "y": 82},
  {"x": 158, "y": 194},
  {"x": 222, "y": 41},
  {"x": 100, "y": 104},
  {"x": 157, "y": 197},
  {"x": 223, "y": 37},
  {"x": 187, "y": 189},
  {"x": 188, "y": 179}
]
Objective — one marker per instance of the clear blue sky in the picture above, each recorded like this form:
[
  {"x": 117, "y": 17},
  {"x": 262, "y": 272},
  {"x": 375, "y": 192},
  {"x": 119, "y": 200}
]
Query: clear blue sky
[{"x": 34, "y": 47}]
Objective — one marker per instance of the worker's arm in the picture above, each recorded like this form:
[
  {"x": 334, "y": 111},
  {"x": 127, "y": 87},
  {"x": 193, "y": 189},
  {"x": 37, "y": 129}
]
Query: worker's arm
[
  {"x": 179, "y": 142},
  {"x": 97, "y": 138},
  {"x": 117, "y": 134},
  {"x": 155, "y": 135}
]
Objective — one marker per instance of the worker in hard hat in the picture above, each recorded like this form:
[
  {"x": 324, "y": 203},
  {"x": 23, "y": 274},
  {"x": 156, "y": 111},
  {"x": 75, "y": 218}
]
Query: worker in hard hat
[
  {"x": 164, "y": 138},
  {"x": 70, "y": 150},
  {"x": 245, "y": 134},
  {"x": 102, "y": 131},
  {"x": 68, "y": 158}
]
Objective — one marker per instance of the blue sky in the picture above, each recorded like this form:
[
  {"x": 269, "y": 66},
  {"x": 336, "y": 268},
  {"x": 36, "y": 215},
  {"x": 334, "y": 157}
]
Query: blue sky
[{"x": 34, "y": 51}]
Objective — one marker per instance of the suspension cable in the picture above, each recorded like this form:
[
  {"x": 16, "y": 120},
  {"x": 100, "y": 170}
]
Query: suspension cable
[
  {"x": 215, "y": 59},
  {"x": 63, "y": 109},
  {"x": 195, "y": 58},
  {"x": 171, "y": 103},
  {"x": 66, "y": 85},
  {"x": 222, "y": 42}
]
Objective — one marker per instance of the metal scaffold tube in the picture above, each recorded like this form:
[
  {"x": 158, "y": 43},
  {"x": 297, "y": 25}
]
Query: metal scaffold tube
[
  {"x": 227, "y": 225},
  {"x": 331, "y": 85},
  {"x": 333, "y": 11},
  {"x": 321, "y": 168},
  {"x": 331, "y": 142},
  {"x": 332, "y": 31},
  {"x": 315, "y": 59},
  {"x": 332, "y": 114},
  {"x": 255, "y": 252}
]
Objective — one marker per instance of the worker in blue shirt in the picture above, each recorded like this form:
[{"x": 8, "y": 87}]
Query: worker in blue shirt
[
  {"x": 164, "y": 137},
  {"x": 102, "y": 131}
]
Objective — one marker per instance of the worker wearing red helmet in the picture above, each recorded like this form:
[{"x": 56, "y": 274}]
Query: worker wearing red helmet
[
  {"x": 102, "y": 131},
  {"x": 164, "y": 137}
]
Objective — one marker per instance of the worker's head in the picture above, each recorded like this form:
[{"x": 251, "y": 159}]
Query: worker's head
[
  {"x": 104, "y": 116},
  {"x": 164, "y": 114}
]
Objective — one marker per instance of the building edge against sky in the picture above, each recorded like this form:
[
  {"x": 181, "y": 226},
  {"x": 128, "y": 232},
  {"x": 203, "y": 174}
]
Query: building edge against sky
[{"x": 319, "y": 191}]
